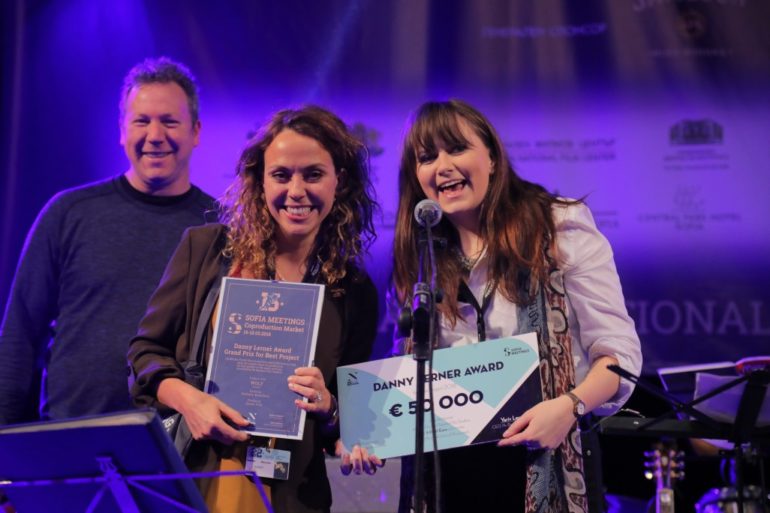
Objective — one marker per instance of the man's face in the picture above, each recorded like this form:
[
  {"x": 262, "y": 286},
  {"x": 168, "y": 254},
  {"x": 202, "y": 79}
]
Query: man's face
[{"x": 158, "y": 135}]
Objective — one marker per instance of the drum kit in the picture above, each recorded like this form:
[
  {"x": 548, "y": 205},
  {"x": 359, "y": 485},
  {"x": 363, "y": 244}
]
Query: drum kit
[{"x": 741, "y": 441}]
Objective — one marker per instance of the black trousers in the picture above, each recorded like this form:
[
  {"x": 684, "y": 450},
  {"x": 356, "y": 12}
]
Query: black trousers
[
  {"x": 473, "y": 479},
  {"x": 490, "y": 478}
]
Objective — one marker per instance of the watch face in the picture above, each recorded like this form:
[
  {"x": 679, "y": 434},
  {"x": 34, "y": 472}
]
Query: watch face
[{"x": 580, "y": 408}]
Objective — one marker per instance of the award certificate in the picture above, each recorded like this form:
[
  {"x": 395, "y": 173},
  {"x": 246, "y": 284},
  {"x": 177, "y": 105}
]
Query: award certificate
[
  {"x": 263, "y": 331},
  {"x": 478, "y": 391}
]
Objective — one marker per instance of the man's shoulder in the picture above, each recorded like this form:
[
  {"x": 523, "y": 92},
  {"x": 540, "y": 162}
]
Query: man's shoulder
[
  {"x": 106, "y": 191},
  {"x": 204, "y": 198},
  {"x": 203, "y": 194},
  {"x": 90, "y": 189},
  {"x": 64, "y": 200}
]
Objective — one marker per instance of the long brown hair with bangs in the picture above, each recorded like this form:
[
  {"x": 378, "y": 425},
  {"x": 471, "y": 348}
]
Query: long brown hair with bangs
[
  {"x": 515, "y": 218},
  {"x": 346, "y": 232}
]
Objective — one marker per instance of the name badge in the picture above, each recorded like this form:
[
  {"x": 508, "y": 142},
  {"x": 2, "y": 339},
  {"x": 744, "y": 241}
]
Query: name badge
[{"x": 266, "y": 462}]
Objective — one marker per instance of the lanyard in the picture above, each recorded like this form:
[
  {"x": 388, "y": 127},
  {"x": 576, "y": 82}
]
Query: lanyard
[{"x": 465, "y": 295}]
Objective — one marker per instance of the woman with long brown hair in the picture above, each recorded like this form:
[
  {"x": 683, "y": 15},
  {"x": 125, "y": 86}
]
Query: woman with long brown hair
[
  {"x": 518, "y": 259},
  {"x": 300, "y": 210}
]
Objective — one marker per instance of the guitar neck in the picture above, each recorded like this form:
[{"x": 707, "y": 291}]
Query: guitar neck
[
  {"x": 667, "y": 467},
  {"x": 664, "y": 500}
]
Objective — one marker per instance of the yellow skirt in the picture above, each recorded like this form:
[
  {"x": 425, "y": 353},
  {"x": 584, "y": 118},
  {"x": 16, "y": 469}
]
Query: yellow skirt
[{"x": 234, "y": 494}]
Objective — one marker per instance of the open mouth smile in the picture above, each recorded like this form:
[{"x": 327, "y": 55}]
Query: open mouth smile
[
  {"x": 298, "y": 210},
  {"x": 453, "y": 185},
  {"x": 156, "y": 154}
]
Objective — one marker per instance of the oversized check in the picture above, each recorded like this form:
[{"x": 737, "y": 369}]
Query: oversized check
[
  {"x": 478, "y": 391},
  {"x": 264, "y": 330}
]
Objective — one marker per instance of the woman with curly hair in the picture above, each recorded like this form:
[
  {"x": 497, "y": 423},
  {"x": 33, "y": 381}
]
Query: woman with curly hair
[
  {"x": 518, "y": 259},
  {"x": 299, "y": 210}
]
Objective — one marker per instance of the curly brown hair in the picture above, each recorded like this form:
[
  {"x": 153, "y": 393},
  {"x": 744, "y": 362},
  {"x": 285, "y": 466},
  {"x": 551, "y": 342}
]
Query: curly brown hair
[
  {"x": 515, "y": 218},
  {"x": 345, "y": 233}
]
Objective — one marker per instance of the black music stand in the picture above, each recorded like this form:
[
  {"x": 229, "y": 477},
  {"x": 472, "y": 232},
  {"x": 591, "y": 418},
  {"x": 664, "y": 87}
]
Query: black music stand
[
  {"x": 122, "y": 462},
  {"x": 742, "y": 431}
]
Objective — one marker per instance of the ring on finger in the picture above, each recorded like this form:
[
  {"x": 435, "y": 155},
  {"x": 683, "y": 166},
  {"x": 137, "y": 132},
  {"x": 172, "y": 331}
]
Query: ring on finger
[{"x": 318, "y": 397}]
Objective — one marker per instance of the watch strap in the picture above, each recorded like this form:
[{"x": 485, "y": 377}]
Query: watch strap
[{"x": 576, "y": 405}]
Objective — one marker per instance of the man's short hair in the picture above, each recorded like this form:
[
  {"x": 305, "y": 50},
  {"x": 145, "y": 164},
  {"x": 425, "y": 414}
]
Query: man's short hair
[{"x": 161, "y": 70}]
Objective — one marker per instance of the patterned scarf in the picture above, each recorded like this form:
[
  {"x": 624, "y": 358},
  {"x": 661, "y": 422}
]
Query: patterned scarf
[{"x": 555, "y": 478}]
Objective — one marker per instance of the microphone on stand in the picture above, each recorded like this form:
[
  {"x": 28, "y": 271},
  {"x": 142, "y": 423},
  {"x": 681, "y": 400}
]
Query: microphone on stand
[{"x": 427, "y": 213}]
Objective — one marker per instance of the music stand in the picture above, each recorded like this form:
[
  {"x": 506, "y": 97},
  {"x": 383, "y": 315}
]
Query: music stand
[
  {"x": 114, "y": 463},
  {"x": 680, "y": 381},
  {"x": 742, "y": 431}
]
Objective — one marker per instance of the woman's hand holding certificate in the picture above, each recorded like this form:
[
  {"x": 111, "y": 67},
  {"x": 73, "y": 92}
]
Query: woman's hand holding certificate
[
  {"x": 206, "y": 416},
  {"x": 308, "y": 382}
]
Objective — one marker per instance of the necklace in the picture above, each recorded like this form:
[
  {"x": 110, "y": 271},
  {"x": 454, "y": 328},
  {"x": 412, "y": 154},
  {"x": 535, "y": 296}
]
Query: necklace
[{"x": 467, "y": 263}]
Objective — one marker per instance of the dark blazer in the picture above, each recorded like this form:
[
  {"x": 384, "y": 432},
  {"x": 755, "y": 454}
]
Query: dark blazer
[{"x": 347, "y": 330}]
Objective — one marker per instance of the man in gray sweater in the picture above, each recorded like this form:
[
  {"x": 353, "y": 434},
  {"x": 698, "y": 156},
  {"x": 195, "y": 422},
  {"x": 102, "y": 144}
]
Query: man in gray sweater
[{"x": 96, "y": 253}]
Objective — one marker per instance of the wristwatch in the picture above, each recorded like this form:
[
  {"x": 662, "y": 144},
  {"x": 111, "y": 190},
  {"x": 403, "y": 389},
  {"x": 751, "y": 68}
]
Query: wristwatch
[
  {"x": 334, "y": 417},
  {"x": 579, "y": 407}
]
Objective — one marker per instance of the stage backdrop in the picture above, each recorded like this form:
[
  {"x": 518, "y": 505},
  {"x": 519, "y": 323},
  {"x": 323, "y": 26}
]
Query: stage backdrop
[{"x": 657, "y": 111}]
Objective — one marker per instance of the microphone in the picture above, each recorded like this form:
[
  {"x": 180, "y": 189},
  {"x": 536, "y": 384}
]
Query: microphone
[{"x": 427, "y": 213}]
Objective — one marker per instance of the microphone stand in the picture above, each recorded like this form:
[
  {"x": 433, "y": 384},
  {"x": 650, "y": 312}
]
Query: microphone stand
[{"x": 423, "y": 332}]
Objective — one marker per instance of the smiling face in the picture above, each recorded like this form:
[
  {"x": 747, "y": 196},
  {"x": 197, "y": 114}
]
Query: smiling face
[
  {"x": 456, "y": 175},
  {"x": 300, "y": 184},
  {"x": 158, "y": 135}
]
